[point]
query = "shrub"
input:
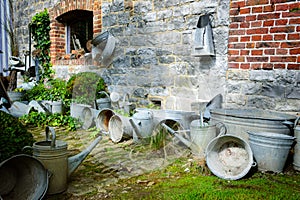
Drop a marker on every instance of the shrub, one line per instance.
(13, 136)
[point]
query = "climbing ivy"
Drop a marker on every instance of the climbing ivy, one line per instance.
(40, 30)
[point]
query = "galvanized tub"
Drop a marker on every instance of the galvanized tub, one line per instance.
(296, 156)
(229, 157)
(23, 177)
(270, 150)
(239, 121)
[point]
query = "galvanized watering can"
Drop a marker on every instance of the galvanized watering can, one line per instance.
(200, 136)
(142, 123)
(54, 156)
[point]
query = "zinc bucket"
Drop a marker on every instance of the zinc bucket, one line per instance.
(229, 157)
(23, 177)
(103, 102)
(56, 107)
(270, 150)
(119, 127)
(102, 119)
(296, 162)
(87, 118)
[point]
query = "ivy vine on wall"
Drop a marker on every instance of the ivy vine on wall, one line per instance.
(40, 32)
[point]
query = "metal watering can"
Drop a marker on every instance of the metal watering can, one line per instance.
(54, 156)
(200, 136)
(142, 123)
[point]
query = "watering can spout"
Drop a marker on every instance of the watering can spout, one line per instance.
(186, 142)
(76, 160)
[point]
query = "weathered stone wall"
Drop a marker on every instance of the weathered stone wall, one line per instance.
(153, 58)
(23, 13)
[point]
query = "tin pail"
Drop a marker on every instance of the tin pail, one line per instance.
(103, 102)
(296, 157)
(102, 120)
(270, 150)
(119, 127)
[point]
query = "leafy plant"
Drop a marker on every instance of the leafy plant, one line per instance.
(13, 136)
(53, 90)
(41, 119)
(40, 30)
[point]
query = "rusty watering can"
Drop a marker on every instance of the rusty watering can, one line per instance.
(200, 136)
(54, 156)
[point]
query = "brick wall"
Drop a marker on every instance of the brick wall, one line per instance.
(264, 34)
(57, 33)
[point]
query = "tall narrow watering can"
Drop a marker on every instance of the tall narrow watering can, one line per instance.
(200, 136)
(54, 156)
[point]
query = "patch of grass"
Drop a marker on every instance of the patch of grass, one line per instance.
(174, 183)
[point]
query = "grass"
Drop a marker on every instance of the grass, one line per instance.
(174, 183)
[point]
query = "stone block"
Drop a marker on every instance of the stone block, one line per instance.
(262, 75)
(273, 90)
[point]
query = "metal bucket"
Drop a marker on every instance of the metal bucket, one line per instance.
(201, 136)
(56, 107)
(102, 119)
(76, 109)
(103, 102)
(229, 157)
(239, 121)
(296, 156)
(270, 150)
(119, 128)
(23, 177)
(54, 156)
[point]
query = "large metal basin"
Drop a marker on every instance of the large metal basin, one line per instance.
(239, 121)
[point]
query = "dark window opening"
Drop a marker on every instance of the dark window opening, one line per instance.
(79, 29)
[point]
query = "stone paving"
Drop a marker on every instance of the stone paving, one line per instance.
(109, 162)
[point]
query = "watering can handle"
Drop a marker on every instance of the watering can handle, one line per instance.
(103, 92)
(222, 127)
(53, 135)
(296, 122)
